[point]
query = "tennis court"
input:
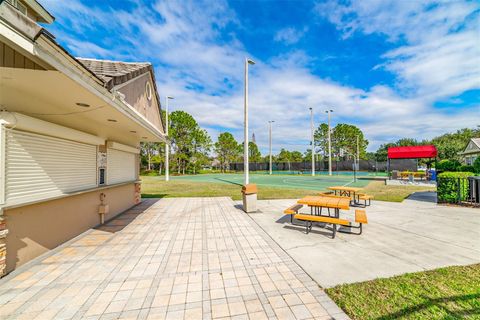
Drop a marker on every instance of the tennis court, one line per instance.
(280, 181)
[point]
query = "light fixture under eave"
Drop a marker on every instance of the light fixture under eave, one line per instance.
(112, 120)
(144, 138)
(81, 104)
(133, 131)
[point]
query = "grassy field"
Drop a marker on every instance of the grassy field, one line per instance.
(156, 187)
(152, 187)
(392, 193)
(446, 293)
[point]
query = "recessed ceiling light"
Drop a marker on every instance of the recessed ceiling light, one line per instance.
(112, 120)
(133, 131)
(81, 104)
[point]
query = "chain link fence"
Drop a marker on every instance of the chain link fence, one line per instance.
(344, 165)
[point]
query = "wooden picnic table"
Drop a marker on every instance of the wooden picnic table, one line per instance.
(316, 203)
(346, 191)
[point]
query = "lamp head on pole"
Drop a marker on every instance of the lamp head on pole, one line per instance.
(250, 61)
(170, 97)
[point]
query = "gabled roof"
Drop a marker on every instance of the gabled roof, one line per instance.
(412, 152)
(476, 141)
(114, 73)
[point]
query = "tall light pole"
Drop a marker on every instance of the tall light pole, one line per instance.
(329, 144)
(358, 154)
(313, 142)
(167, 145)
(270, 140)
(245, 127)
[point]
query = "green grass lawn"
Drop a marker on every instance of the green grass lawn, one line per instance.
(392, 193)
(154, 187)
(208, 186)
(446, 293)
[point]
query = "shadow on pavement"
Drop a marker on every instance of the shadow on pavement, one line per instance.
(425, 196)
(119, 222)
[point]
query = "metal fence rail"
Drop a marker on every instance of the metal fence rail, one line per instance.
(458, 190)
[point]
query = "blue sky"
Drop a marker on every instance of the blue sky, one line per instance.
(394, 68)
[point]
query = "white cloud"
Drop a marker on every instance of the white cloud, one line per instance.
(289, 35)
(439, 54)
(200, 63)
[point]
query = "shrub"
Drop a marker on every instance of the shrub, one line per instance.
(150, 173)
(452, 186)
(476, 165)
(466, 168)
(448, 165)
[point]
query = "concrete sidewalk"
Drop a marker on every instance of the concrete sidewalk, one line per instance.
(399, 238)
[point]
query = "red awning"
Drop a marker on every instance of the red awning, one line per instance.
(412, 152)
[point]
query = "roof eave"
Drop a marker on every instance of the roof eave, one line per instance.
(41, 11)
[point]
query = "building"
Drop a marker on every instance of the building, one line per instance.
(70, 132)
(471, 151)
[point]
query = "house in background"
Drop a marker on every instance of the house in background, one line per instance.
(471, 151)
(70, 132)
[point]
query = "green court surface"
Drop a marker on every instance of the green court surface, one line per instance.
(281, 181)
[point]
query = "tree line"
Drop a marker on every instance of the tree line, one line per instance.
(449, 145)
(193, 149)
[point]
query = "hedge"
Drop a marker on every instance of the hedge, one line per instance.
(448, 165)
(476, 165)
(453, 186)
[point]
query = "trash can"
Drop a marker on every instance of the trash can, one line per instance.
(395, 174)
(249, 195)
(433, 175)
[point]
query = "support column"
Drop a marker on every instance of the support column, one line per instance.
(138, 193)
(3, 245)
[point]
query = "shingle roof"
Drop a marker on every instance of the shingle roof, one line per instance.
(114, 73)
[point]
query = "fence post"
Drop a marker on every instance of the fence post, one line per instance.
(459, 192)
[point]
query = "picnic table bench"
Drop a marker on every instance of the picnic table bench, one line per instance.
(316, 203)
(329, 201)
(360, 219)
(345, 191)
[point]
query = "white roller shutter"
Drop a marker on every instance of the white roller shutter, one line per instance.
(40, 167)
(121, 166)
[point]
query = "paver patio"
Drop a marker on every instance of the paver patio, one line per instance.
(188, 258)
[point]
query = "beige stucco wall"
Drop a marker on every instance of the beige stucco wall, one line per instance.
(37, 228)
(135, 95)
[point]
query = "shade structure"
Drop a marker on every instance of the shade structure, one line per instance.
(412, 152)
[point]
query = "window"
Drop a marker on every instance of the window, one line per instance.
(148, 91)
